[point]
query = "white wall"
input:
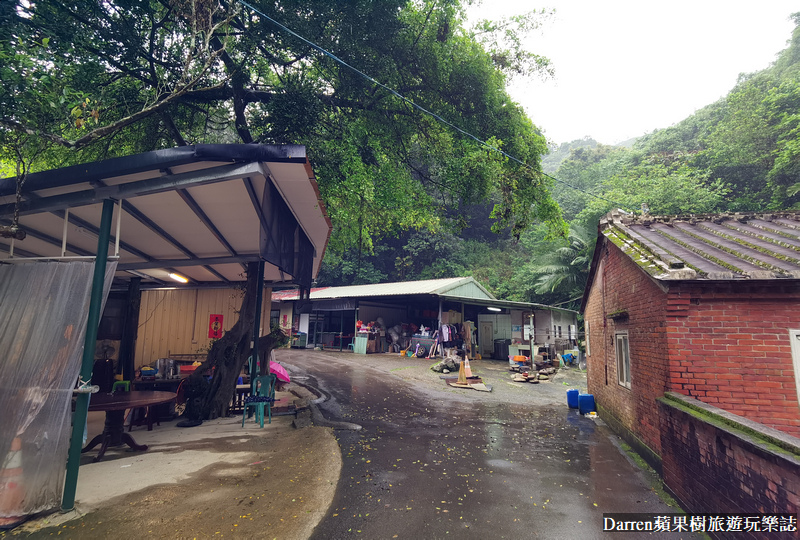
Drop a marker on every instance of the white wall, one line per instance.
(546, 325)
(303, 324)
(500, 322)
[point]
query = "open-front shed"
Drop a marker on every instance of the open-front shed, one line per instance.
(415, 313)
(183, 218)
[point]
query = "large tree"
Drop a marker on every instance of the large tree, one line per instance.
(97, 79)
(88, 80)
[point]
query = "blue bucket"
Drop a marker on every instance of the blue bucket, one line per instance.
(572, 398)
(586, 403)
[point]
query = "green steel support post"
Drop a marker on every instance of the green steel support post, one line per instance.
(82, 405)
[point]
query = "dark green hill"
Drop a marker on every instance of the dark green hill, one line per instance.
(741, 153)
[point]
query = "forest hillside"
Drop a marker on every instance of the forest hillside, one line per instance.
(739, 154)
(427, 167)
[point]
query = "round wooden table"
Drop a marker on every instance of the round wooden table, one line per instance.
(115, 406)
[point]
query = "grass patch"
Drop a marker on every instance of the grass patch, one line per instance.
(653, 478)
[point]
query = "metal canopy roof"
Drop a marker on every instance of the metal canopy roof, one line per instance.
(439, 287)
(459, 289)
(710, 247)
(200, 211)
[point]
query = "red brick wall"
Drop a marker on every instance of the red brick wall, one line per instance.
(726, 344)
(620, 285)
(715, 469)
(730, 347)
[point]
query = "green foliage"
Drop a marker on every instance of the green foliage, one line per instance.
(583, 173)
(558, 270)
(740, 153)
(140, 76)
(783, 103)
(557, 154)
(503, 40)
(433, 256)
(665, 189)
(409, 197)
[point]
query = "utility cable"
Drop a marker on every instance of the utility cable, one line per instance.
(567, 301)
(412, 104)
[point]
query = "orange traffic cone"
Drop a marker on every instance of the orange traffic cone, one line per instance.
(467, 369)
(12, 491)
(462, 376)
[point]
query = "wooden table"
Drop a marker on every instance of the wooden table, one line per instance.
(163, 412)
(158, 385)
(114, 406)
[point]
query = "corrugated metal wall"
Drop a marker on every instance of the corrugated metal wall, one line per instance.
(177, 321)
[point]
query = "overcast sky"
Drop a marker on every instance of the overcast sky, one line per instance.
(624, 68)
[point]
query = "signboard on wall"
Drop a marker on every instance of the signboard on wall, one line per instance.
(215, 326)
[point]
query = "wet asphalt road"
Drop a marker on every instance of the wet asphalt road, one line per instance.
(431, 465)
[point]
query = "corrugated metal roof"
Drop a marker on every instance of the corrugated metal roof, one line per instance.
(403, 288)
(293, 294)
(508, 304)
(461, 289)
(201, 211)
(709, 247)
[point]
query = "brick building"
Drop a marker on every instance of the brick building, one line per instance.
(707, 307)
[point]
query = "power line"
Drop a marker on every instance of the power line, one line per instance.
(414, 105)
(567, 301)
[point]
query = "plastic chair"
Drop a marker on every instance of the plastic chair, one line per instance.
(262, 398)
(125, 385)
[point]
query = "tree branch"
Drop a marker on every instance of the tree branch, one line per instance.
(173, 129)
(98, 133)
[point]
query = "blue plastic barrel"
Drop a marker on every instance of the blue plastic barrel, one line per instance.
(586, 403)
(572, 398)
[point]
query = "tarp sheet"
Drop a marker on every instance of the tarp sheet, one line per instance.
(43, 317)
(283, 242)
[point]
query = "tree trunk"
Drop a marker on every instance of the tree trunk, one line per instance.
(229, 354)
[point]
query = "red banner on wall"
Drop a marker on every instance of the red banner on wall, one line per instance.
(215, 326)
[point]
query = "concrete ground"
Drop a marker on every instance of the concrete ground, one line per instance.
(210, 480)
(220, 478)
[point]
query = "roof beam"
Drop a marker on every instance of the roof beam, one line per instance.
(140, 216)
(203, 217)
(55, 242)
(80, 222)
(17, 251)
(196, 261)
(132, 189)
(251, 191)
